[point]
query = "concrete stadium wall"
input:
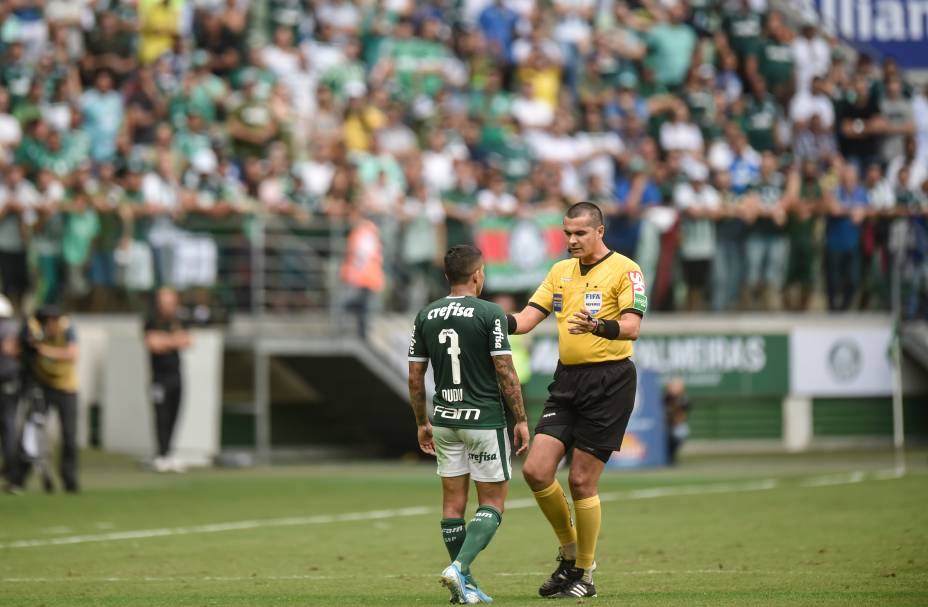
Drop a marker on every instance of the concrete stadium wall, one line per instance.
(114, 374)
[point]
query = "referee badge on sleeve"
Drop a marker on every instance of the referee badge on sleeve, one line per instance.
(593, 300)
(557, 302)
(640, 301)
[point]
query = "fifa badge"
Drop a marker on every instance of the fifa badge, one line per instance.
(593, 300)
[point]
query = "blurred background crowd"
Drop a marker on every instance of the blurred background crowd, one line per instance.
(746, 161)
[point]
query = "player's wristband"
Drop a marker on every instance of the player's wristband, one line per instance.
(512, 323)
(608, 329)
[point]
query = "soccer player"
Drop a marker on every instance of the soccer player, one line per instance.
(465, 340)
(598, 298)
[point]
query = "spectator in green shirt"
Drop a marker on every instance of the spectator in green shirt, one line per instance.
(774, 58)
(106, 197)
(761, 115)
(81, 227)
(46, 236)
(804, 212)
(252, 125)
(16, 73)
(460, 205)
(743, 28)
(670, 47)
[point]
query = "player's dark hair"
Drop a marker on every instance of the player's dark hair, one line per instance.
(586, 208)
(460, 262)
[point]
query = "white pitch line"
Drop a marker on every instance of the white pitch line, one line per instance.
(218, 527)
(284, 578)
(850, 478)
(636, 494)
(643, 494)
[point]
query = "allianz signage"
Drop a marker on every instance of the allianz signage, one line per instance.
(897, 28)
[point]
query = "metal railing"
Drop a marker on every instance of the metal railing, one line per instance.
(269, 263)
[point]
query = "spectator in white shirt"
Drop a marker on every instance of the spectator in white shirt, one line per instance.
(920, 115)
(880, 191)
(897, 111)
(18, 201)
(10, 131)
(558, 146)
(604, 148)
(438, 163)
(811, 56)
(530, 111)
(292, 69)
(423, 219)
(814, 101)
(317, 172)
(537, 41)
(573, 23)
(681, 135)
(341, 15)
(495, 200)
(161, 190)
(917, 168)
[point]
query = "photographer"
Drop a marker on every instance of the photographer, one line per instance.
(677, 411)
(9, 386)
(50, 360)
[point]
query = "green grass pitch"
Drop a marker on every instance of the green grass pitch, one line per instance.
(723, 531)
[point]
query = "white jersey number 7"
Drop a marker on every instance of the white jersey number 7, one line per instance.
(454, 351)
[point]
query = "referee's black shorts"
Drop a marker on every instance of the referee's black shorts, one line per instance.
(589, 405)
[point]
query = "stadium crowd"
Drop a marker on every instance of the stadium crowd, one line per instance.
(743, 162)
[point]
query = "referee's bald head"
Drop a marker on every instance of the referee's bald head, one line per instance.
(586, 208)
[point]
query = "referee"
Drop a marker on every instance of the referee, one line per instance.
(598, 298)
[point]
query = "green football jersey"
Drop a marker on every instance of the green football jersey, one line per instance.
(459, 336)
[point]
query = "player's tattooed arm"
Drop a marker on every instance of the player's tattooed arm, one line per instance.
(510, 387)
(417, 400)
(512, 392)
(417, 391)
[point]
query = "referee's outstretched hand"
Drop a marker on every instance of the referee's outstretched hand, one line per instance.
(424, 433)
(582, 322)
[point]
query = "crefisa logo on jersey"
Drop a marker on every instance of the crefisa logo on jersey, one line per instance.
(498, 334)
(452, 309)
(593, 300)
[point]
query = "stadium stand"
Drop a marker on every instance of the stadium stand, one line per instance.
(218, 146)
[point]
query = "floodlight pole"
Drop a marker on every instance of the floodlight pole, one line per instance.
(896, 353)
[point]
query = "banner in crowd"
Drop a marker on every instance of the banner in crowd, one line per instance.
(519, 252)
(645, 442)
(717, 364)
(841, 362)
(896, 28)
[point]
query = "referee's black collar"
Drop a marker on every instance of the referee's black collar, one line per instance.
(585, 269)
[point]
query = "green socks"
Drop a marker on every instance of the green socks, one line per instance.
(453, 532)
(479, 533)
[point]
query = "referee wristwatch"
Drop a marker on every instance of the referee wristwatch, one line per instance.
(607, 329)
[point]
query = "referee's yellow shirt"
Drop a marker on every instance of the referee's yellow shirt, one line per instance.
(608, 288)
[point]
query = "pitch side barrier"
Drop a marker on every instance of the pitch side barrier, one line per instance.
(761, 382)
(300, 386)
